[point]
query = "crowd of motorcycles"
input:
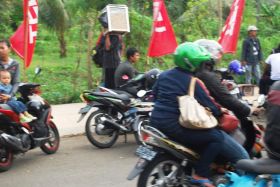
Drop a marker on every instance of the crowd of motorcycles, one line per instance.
(112, 113)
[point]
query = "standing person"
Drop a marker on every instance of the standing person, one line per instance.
(112, 56)
(271, 71)
(252, 55)
(17, 106)
(9, 64)
(125, 71)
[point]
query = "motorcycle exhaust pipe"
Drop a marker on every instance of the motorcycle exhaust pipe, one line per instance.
(12, 142)
(114, 125)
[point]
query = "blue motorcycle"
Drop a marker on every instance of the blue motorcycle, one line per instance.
(263, 172)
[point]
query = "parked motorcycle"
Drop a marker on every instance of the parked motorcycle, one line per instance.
(17, 137)
(116, 114)
(163, 162)
(257, 173)
(143, 81)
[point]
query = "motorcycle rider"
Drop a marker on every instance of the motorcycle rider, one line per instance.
(220, 93)
(165, 116)
(272, 132)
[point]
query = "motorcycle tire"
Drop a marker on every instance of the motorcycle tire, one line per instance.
(164, 164)
(52, 145)
(6, 159)
(99, 131)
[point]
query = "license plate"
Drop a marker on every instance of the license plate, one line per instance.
(145, 152)
(85, 109)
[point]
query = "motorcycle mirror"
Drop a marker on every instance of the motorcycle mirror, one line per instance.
(37, 70)
(141, 93)
(261, 100)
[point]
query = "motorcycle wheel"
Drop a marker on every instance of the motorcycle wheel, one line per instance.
(97, 133)
(162, 172)
(6, 159)
(52, 145)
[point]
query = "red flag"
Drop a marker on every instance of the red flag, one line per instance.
(163, 40)
(230, 33)
(23, 44)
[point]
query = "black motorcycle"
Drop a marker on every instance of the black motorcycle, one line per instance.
(163, 162)
(115, 114)
(142, 82)
(17, 137)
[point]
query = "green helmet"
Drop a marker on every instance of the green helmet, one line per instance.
(189, 56)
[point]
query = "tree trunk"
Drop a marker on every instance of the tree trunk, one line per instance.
(62, 45)
(258, 9)
(89, 51)
(220, 13)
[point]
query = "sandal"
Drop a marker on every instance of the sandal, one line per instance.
(201, 182)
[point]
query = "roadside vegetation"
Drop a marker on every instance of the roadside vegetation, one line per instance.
(69, 29)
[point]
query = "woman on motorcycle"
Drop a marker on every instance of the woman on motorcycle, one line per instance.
(220, 93)
(165, 116)
(6, 63)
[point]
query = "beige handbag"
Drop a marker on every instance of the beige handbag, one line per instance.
(193, 115)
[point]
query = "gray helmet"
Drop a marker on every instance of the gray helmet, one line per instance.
(213, 47)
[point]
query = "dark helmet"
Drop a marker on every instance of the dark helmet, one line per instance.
(35, 108)
(151, 77)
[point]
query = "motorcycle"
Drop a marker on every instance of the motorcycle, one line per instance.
(116, 114)
(256, 121)
(17, 137)
(257, 173)
(163, 162)
(141, 82)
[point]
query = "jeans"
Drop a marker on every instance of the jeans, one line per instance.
(232, 150)
(17, 106)
(255, 69)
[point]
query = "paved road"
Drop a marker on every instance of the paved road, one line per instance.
(77, 163)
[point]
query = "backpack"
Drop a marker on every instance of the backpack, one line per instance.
(98, 52)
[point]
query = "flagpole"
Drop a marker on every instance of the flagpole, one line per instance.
(26, 23)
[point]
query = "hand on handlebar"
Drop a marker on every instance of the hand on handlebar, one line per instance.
(256, 111)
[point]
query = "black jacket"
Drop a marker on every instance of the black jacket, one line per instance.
(112, 57)
(249, 46)
(124, 68)
(272, 133)
(220, 93)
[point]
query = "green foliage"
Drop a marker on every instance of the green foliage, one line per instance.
(64, 79)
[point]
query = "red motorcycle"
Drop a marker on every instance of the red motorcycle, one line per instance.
(17, 137)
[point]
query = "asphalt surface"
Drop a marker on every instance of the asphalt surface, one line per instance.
(76, 164)
(66, 116)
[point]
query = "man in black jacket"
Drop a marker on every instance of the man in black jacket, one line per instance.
(272, 132)
(220, 93)
(252, 55)
(125, 70)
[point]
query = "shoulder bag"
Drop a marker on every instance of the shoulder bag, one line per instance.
(194, 115)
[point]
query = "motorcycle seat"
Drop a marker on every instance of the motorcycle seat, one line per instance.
(123, 97)
(123, 92)
(260, 166)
